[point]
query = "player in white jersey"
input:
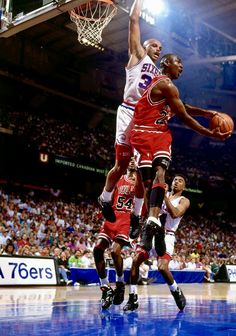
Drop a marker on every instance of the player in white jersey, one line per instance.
(140, 71)
(174, 206)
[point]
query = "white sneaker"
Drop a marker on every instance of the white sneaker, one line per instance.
(69, 282)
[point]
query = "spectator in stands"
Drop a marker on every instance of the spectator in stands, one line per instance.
(45, 252)
(4, 236)
(9, 249)
(63, 267)
(25, 251)
(198, 262)
(75, 260)
(86, 259)
(23, 240)
(191, 263)
(207, 268)
(194, 254)
(34, 250)
(174, 263)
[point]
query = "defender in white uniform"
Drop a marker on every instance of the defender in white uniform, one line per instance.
(140, 71)
(138, 77)
(175, 206)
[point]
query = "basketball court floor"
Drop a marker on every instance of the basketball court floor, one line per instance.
(68, 311)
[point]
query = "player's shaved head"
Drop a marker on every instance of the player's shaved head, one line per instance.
(150, 41)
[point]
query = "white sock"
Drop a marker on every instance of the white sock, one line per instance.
(155, 220)
(173, 287)
(106, 196)
(138, 204)
(104, 282)
(120, 278)
(133, 289)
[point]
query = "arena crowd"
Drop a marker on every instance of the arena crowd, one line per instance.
(67, 231)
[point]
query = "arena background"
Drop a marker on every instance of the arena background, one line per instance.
(45, 72)
(58, 103)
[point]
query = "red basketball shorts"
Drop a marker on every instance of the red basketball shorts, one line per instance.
(118, 230)
(149, 145)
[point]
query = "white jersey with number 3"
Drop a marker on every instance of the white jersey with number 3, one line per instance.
(138, 78)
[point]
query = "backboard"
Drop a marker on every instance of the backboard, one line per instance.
(18, 15)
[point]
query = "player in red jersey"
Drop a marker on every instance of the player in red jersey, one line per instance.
(151, 138)
(117, 236)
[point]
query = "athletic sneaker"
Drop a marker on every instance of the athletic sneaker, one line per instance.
(179, 298)
(150, 229)
(107, 296)
(107, 210)
(134, 230)
(119, 293)
(132, 303)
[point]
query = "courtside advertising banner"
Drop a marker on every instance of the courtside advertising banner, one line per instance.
(27, 271)
(231, 271)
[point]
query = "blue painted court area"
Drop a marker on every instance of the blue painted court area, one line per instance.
(73, 313)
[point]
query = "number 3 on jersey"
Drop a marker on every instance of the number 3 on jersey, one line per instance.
(145, 81)
(123, 203)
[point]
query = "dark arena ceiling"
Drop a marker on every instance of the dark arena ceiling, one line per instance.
(42, 48)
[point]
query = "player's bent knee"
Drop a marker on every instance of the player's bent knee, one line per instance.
(162, 268)
(142, 256)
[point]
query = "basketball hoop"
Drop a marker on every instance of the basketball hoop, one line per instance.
(91, 18)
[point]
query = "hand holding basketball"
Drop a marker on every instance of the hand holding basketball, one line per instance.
(223, 124)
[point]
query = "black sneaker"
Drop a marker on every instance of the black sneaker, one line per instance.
(179, 298)
(134, 230)
(107, 296)
(150, 229)
(107, 210)
(119, 293)
(132, 303)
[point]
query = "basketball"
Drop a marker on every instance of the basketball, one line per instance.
(222, 120)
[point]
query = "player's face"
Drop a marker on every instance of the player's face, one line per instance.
(175, 67)
(178, 183)
(132, 165)
(153, 49)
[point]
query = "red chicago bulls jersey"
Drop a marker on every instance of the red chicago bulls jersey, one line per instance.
(124, 194)
(150, 115)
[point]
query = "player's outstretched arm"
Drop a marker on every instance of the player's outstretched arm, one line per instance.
(170, 91)
(136, 50)
(197, 111)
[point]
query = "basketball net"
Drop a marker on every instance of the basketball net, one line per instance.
(91, 18)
